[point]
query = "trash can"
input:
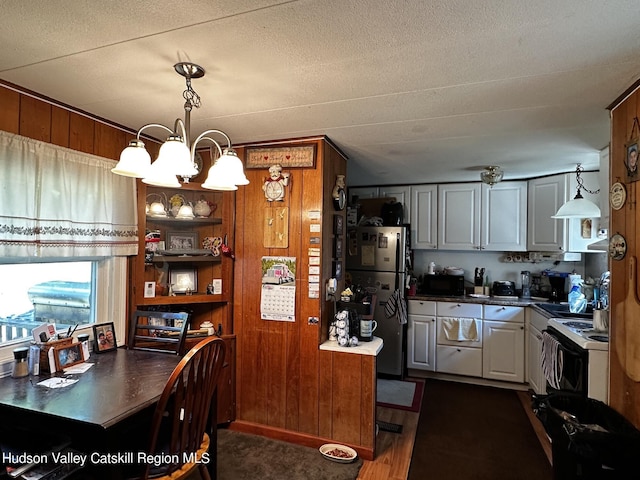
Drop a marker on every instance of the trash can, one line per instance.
(589, 439)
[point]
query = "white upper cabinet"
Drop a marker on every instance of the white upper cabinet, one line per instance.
(459, 216)
(362, 193)
(475, 216)
(424, 216)
(546, 196)
(504, 217)
(401, 194)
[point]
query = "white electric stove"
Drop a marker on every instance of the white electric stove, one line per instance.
(595, 345)
(580, 331)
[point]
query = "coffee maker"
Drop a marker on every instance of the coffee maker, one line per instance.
(558, 293)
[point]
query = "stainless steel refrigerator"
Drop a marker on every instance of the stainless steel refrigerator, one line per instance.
(377, 257)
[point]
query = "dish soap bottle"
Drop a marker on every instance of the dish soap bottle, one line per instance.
(577, 299)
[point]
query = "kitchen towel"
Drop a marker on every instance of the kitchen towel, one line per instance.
(552, 360)
(460, 329)
(397, 306)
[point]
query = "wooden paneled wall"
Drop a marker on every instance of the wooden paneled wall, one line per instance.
(624, 385)
(25, 114)
(286, 386)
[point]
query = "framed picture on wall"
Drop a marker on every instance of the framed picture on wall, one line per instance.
(631, 160)
(338, 225)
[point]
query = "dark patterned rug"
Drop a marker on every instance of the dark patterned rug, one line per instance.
(242, 456)
(475, 432)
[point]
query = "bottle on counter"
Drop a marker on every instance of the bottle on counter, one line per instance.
(577, 299)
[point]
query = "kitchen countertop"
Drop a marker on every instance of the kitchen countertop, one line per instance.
(514, 301)
(364, 348)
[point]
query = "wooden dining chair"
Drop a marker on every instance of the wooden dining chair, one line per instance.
(158, 331)
(181, 418)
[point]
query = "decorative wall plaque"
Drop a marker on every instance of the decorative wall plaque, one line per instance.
(617, 196)
(287, 157)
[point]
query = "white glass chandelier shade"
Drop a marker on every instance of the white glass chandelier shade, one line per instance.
(178, 157)
(579, 207)
(134, 160)
(492, 175)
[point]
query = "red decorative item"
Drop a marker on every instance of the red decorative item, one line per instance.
(226, 251)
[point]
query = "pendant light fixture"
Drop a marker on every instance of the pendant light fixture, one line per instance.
(579, 207)
(491, 175)
(177, 155)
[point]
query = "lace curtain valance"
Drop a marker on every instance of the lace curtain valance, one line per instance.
(57, 202)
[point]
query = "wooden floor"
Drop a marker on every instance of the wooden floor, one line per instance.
(393, 451)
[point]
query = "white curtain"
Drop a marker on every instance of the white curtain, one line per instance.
(57, 202)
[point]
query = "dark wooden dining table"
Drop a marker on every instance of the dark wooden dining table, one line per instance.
(121, 387)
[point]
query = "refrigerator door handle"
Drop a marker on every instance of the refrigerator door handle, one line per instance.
(397, 261)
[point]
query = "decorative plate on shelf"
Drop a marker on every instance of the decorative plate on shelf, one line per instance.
(338, 453)
(617, 196)
(617, 247)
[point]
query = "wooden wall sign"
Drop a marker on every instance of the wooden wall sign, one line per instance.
(276, 227)
(287, 157)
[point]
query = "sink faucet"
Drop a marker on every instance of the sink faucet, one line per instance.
(604, 289)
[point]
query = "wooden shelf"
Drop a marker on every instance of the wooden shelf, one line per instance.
(182, 299)
(185, 221)
(186, 258)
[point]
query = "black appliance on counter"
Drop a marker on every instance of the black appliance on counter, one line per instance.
(446, 285)
(504, 288)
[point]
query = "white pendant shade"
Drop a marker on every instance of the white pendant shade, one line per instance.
(134, 161)
(217, 181)
(177, 156)
(578, 208)
(162, 173)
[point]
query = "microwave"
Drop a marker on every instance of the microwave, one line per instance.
(448, 285)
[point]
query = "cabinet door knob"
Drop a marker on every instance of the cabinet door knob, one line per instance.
(457, 349)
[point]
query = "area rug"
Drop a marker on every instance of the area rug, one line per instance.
(242, 456)
(479, 432)
(400, 394)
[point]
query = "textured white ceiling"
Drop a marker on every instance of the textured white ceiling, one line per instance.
(411, 90)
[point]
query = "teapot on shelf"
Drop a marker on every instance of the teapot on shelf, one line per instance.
(158, 207)
(203, 208)
(185, 212)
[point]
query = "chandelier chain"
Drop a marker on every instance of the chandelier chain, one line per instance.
(192, 99)
(579, 170)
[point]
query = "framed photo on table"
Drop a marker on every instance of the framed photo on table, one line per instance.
(104, 335)
(67, 355)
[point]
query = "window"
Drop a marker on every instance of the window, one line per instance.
(107, 278)
(61, 293)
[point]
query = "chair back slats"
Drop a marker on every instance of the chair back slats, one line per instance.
(185, 402)
(158, 331)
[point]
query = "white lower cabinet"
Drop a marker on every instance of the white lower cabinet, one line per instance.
(459, 360)
(421, 335)
(503, 343)
(535, 375)
(458, 357)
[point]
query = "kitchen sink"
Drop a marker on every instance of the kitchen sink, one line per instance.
(561, 310)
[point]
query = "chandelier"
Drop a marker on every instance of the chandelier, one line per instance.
(579, 207)
(177, 155)
(491, 175)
